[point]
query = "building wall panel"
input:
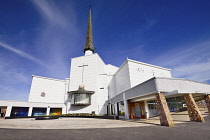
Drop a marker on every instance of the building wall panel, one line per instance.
(53, 89)
(140, 72)
(182, 85)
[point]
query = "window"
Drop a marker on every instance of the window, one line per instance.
(152, 104)
(82, 98)
(121, 109)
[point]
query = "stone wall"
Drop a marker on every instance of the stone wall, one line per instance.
(207, 99)
(192, 108)
(164, 113)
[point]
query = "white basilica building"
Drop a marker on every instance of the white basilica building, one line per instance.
(134, 90)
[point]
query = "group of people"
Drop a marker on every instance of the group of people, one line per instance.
(201, 103)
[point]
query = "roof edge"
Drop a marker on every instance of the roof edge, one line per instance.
(48, 78)
(148, 64)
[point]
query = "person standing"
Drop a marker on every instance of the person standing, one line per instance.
(4, 113)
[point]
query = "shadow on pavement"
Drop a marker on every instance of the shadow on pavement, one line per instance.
(184, 131)
(181, 131)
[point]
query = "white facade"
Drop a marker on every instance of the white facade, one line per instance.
(109, 86)
(53, 89)
(132, 73)
(133, 82)
(90, 71)
(140, 72)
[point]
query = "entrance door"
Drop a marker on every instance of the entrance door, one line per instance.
(137, 110)
(142, 110)
(132, 111)
(108, 111)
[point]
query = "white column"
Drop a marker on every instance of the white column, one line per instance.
(8, 112)
(146, 109)
(126, 107)
(98, 109)
(30, 111)
(64, 110)
(68, 107)
(115, 109)
(48, 110)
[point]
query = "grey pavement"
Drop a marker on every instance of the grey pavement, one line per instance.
(102, 129)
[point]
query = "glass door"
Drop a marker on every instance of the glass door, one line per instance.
(137, 110)
(132, 111)
(142, 110)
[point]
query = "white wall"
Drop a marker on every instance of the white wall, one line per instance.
(132, 73)
(89, 80)
(140, 72)
(103, 81)
(89, 75)
(110, 71)
(94, 79)
(102, 92)
(120, 81)
(53, 88)
(112, 88)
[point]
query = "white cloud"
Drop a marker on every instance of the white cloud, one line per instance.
(14, 81)
(191, 62)
(195, 71)
(11, 75)
(21, 53)
(51, 13)
(58, 36)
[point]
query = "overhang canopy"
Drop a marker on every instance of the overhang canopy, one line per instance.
(170, 86)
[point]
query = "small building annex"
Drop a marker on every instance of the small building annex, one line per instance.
(135, 90)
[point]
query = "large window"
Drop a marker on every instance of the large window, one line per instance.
(152, 108)
(152, 104)
(121, 109)
(175, 104)
(81, 99)
(39, 111)
(55, 111)
(19, 111)
(81, 96)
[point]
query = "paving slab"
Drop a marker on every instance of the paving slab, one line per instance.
(178, 117)
(102, 129)
(88, 123)
(66, 123)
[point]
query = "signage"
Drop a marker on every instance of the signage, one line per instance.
(43, 94)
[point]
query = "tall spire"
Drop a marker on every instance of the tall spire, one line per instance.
(89, 36)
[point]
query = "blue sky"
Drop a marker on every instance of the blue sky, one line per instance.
(39, 37)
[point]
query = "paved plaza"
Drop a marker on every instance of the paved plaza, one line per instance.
(88, 128)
